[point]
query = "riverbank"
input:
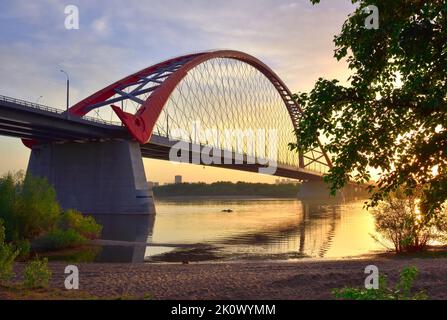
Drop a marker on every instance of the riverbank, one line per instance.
(221, 197)
(228, 189)
(243, 280)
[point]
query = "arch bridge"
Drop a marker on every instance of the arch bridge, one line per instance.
(93, 152)
(221, 91)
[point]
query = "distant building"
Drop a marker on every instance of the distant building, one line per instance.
(286, 181)
(178, 179)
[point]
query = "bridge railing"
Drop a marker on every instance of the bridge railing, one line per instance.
(30, 104)
(54, 110)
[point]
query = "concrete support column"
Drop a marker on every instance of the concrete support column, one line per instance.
(102, 179)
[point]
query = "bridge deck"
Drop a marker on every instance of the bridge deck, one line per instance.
(22, 119)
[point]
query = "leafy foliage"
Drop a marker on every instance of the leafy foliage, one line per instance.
(87, 227)
(37, 274)
(28, 206)
(38, 203)
(399, 220)
(402, 290)
(30, 210)
(8, 195)
(57, 239)
(391, 115)
(8, 254)
(2, 232)
(24, 247)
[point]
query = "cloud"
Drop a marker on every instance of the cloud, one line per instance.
(288, 6)
(101, 27)
(295, 38)
(114, 40)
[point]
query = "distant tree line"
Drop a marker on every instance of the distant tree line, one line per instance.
(227, 189)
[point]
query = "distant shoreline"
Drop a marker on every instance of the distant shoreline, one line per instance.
(226, 190)
(230, 197)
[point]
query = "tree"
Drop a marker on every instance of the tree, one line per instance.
(400, 222)
(28, 206)
(8, 198)
(37, 210)
(391, 115)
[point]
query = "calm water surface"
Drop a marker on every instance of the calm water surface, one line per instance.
(269, 229)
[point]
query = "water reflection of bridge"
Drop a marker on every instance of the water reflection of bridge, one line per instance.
(311, 236)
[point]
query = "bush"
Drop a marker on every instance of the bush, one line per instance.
(57, 239)
(8, 254)
(37, 209)
(30, 211)
(400, 221)
(73, 230)
(8, 195)
(37, 274)
(85, 226)
(28, 206)
(402, 290)
(2, 232)
(24, 248)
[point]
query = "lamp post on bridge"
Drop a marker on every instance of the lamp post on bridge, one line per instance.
(38, 99)
(68, 90)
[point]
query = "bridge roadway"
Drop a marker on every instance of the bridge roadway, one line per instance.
(26, 120)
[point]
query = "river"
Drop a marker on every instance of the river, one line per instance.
(260, 229)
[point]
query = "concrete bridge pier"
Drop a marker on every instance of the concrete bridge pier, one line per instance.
(105, 180)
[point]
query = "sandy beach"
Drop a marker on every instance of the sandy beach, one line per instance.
(244, 280)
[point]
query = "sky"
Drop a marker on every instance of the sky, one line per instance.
(116, 38)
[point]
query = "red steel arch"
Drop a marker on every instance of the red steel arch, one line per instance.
(142, 123)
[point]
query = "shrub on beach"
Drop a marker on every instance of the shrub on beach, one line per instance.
(31, 213)
(58, 239)
(8, 254)
(73, 230)
(28, 206)
(24, 248)
(400, 221)
(85, 226)
(37, 274)
(402, 290)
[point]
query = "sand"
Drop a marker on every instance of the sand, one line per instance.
(244, 280)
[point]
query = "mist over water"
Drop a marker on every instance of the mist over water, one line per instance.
(260, 229)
